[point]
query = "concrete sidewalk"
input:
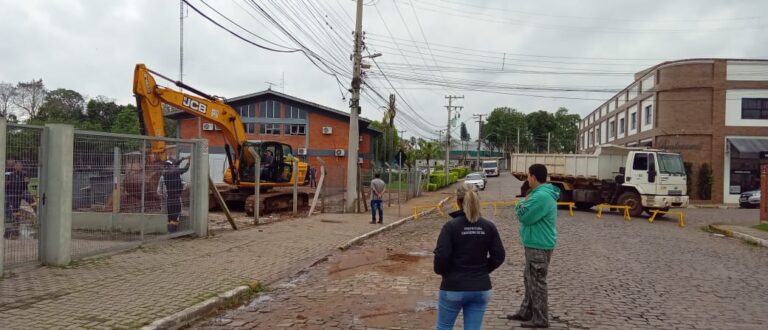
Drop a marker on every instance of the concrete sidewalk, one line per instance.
(132, 289)
(747, 234)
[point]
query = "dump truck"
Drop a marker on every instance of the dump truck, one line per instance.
(641, 178)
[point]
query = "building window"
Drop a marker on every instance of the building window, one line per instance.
(247, 111)
(270, 129)
(295, 129)
(591, 138)
(269, 109)
(633, 121)
(250, 128)
(599, 136)
(611, 129)
(648, 114)
(294, 112)
(753, 108)
(621, 126)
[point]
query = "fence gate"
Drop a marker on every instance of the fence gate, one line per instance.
(120, 197)
(22, 179)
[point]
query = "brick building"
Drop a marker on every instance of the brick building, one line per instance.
(712, 111)
(312, 130)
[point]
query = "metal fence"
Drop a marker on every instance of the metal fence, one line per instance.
(22, 177)
(401, 186)
(124, 193)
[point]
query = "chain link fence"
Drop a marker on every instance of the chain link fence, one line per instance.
(22, 177)
(126, 193)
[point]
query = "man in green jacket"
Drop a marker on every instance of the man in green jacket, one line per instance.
(537, 214)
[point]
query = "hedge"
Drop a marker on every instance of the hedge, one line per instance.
(431, 187)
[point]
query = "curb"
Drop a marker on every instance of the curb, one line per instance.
(742, 236)
(184, 317)
(390, 226)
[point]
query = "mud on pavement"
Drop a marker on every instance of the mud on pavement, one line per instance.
(386, 281)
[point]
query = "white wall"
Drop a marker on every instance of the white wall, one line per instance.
(754, 71)
(648, 83)
(591, 142)
(634, 91)
(630, 130)
(733, 107)
(217, 163)
(610, 107)
(603, 131)
(643, 105)
(622, 99)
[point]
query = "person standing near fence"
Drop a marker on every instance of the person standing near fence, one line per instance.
(378, 188)
(312, 182)
(171, 186)
(468, 249)
(537, 214)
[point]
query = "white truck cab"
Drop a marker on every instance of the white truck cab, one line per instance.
(490, 167)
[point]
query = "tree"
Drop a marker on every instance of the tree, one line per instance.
(428, 150)
(386, 143)
(464, 139)
(61, 105)
(500, 129)
(29, 97)
(7, 93)
(126, 121)
(540, 125)
(566, 135)
(104, 111)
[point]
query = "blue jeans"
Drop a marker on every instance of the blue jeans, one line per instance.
(473, 304)
(376, 205)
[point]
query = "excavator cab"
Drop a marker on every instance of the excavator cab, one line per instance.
(276, 161)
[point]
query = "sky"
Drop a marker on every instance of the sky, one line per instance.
(527, 55)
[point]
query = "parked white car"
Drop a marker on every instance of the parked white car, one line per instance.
(476, 180)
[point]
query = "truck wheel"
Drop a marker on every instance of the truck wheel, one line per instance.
(584, 206)
(632, 199)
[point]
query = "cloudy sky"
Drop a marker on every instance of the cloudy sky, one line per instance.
(529, 55)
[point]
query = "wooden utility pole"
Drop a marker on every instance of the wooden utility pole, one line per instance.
(479, 136)
(354, 111)
(450, 108)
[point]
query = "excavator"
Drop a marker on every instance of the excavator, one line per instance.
(241, 153)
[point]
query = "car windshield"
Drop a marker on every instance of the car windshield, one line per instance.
(671, 164)
(474, 177)
(489, 165)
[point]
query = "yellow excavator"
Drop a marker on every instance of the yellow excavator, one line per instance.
(276, 158)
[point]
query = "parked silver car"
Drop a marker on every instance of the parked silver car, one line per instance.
(750, 199)
(476, 180)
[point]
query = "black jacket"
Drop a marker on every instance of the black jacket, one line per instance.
(467, 253)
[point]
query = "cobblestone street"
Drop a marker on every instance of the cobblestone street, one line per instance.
(605, 274)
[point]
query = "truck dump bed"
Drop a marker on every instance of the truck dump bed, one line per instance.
(603, 164)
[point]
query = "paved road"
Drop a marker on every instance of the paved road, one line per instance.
(605, 274)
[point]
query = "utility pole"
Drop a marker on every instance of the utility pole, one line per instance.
(479, 137)
(390, 128)
(450, 108)
(439, 142)
(354, 111)
(517, 149)
(549, 137)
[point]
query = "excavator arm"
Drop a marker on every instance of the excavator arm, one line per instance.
(149, 99)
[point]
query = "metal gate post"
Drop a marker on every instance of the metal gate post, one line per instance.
(3, 139)
(199, 203)
(56, 206)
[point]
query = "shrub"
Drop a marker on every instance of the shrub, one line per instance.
(705, 182)
(689, 174)
(431, 187)
(453, 178)
(438, 179)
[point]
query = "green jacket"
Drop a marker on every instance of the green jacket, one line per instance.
(537, 215)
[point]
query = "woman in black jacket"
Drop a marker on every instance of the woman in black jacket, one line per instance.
(468, 250)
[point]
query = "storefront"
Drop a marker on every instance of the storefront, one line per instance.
(742, 165)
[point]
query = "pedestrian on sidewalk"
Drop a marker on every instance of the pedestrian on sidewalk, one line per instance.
(378, 188)
(312, 181)
(537, 214)
(468, 250)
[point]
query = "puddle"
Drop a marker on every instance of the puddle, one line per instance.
(257, 302)
(423, 254)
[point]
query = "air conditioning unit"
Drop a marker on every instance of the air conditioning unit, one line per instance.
(327, 130)
(359, 160)
(339, 152)
(302, 151)
(361, 138)
(208, 126)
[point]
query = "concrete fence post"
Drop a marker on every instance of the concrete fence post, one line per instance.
(200, 175)
(56, 217)
(3, 139)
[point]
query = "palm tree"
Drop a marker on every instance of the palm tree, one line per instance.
(428, 150)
